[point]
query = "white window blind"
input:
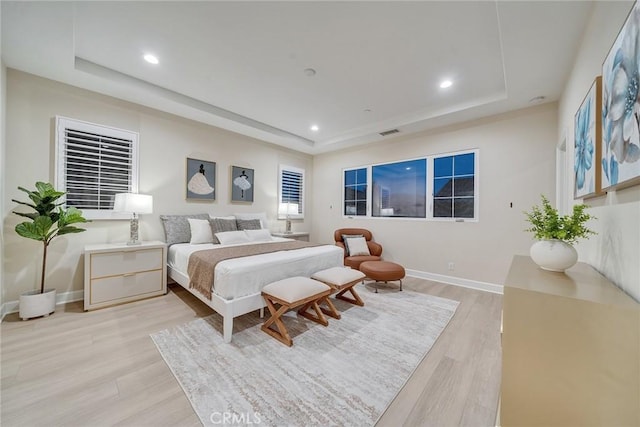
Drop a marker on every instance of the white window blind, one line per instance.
(94, 163)
(292, 188)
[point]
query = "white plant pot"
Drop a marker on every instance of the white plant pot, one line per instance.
(553, 255)
(35, 304)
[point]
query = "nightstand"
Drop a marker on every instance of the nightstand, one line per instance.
(297, 235)
(115, 273)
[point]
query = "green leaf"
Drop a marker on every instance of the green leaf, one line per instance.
(36, 230)
(69, 229)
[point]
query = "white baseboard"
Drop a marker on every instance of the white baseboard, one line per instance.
(457, 281)
(61, 298)
(65, 297)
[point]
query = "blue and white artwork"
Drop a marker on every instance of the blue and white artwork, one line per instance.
(587, 131)
(621, 107)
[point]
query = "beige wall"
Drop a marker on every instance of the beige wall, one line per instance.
(3, 128)
(615, 251)
(517, 164)
(165, 142)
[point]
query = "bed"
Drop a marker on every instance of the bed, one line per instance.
(238, 282)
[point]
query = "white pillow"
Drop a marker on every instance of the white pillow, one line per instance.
(357, 246)
(262, 216)
(263, 235)
(200, 231)
(232, 237)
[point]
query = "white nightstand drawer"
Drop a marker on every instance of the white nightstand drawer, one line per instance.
(125, 262)
(114, 288)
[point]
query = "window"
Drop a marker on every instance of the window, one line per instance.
(355, 192)
(400, 189)
(442, 187)
(291, 193)
(454, 186)
(93, 163)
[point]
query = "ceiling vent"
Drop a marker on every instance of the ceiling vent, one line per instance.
(389, 132)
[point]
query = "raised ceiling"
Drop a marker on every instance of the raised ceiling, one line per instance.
(242, 65)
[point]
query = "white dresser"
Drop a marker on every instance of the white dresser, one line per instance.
(115, 273)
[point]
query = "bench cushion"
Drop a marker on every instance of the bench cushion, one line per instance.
(294, 289)
(338, 276)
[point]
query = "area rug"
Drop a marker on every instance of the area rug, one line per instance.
(345, 374)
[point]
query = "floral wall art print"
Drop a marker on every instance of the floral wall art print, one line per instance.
(621, 107)
(587, 153)
(201, 178)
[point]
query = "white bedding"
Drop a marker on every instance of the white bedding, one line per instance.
(239, 277)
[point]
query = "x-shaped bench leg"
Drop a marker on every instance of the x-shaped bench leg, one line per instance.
(356, 298)
(281, 334)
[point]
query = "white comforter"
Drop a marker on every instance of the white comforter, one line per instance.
(238, 277)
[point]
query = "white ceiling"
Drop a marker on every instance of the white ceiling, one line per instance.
(240, 65)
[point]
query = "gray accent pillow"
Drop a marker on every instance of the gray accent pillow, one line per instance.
(176, 227)
(344, 240)
(249, 224)
(220, 225)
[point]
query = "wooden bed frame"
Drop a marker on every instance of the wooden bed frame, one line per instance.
(228, 309)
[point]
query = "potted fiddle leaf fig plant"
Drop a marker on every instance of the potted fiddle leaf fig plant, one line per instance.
(556, 235)
(48, 221)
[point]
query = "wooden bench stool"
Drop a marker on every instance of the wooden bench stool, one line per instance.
(342, 280)
(289, 294)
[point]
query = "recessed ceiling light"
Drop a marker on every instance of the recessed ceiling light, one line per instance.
(151, 59)
(445, 84)
(315, 128)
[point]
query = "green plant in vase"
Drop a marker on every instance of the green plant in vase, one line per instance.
(556, 234)
(48, 221)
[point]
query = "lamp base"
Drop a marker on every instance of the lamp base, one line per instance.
(133, 231)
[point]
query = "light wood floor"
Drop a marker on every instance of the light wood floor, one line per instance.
(101, 368)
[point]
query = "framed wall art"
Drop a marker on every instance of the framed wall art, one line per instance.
(587, 144)
(621, 107)
(241, 184)
(201, 180)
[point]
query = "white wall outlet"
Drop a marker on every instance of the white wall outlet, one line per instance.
(451, 266)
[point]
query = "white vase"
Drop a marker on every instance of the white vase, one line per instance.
(35, 304)
(553, 255)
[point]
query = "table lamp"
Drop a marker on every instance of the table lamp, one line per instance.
(136, 204)
(288, 209)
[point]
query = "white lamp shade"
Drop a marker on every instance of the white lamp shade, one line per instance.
(134, 203)
(288, 209)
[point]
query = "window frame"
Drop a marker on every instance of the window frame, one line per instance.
(429, 188)
(370, 199)
(60, 180)
(476, 186)
(301, 209)
(344, 191)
